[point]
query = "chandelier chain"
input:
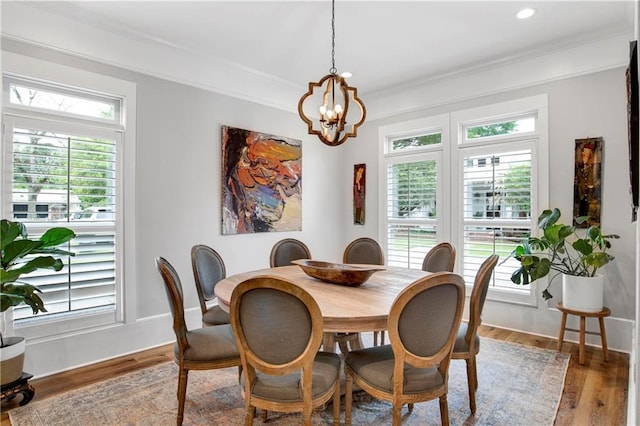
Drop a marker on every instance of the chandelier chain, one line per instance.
(333, 69)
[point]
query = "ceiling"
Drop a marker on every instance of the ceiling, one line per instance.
(384, 44)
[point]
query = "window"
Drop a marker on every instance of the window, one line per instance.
(64, 101)
(413, 197)
(416, 141)
(496, 211)
(500, 129)
(64, 179)
(412, 212)
(499, 196)
(63, 165)
(479, 188)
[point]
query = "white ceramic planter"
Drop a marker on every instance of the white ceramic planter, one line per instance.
(12, 359)
(583, 293)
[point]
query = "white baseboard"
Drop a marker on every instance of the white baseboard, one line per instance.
(53, 355)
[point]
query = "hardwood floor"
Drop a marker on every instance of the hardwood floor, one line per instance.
(594, 394)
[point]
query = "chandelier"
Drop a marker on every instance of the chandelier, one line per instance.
(329, 103)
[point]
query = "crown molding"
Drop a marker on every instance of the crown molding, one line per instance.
(31, 24)
(596, 56)
(35, 25)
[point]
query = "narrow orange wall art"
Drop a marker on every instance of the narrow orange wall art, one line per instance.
(261, 182)
(359, 192)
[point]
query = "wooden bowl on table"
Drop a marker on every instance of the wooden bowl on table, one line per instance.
(337, 273)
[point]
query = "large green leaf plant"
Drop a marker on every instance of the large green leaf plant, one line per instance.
(561, 249)
(15, 247)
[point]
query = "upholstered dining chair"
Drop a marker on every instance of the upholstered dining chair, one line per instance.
(361, 250)
(204, 348)
(284, 251)
(441, 257)
(278, 327)
(208, 268)
(423, 323)
(467, 343)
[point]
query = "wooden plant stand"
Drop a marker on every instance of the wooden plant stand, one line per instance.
(605, 312)
(20, 386)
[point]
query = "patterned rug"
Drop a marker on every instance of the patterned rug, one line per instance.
(518, 385)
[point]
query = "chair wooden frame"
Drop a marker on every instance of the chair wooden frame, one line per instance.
(197, 275)
(273, 257)
(476, 302)
(435, 250)
(403, 356)
(302, 363)
(174, 292)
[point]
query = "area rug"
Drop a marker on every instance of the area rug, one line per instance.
(518, 385)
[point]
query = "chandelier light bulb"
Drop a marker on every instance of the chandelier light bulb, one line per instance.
(338, 108)
(323, 109)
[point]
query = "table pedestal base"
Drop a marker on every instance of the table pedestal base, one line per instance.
(346, 341)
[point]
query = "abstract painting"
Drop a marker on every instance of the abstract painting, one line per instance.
(359, 187)
(587, 193)
(261, 182)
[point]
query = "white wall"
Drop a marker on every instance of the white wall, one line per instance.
(178, 205)
(579, 107)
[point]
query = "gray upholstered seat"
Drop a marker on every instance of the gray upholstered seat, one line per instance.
(208, 268)
(287, 388)
(422, 324)
(441, 257)
(205, 344)
(198, 349)
(467, 343)
(284, 251)
(279, 328)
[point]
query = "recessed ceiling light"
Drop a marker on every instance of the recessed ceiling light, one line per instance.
(526, 13)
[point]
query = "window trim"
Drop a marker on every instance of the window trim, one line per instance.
(460, 120)
(439, 153)
(42, 326)
(36, 69)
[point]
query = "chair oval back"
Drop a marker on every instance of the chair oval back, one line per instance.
(479, 294)
(173, 287)
(441, 258)
(363, 250)
(284, 251)
(208, 268)
(278, 325)
(432, 306)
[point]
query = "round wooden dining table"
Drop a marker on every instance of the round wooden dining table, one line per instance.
(345, 309)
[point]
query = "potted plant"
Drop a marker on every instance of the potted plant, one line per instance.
(577, 257)
(15, 247)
